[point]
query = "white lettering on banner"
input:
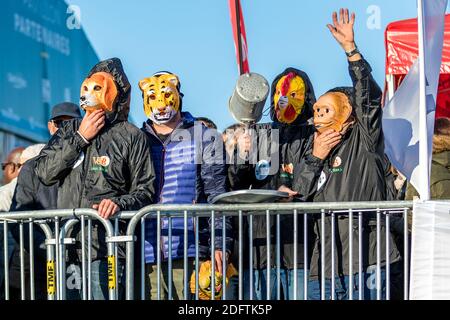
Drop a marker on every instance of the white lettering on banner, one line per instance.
(17, 81)
(48, 11)
(46, 91)
(9, 113)
(41, 34)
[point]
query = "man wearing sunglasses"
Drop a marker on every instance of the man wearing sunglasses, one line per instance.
(10, 169)
(11, 166)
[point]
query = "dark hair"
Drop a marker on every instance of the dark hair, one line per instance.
(234, 127)
(441, 138)
(208, 122)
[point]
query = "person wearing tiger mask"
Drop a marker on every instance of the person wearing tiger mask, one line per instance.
(190, 168)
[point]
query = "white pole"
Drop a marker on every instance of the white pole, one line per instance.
(390, 87)
(424, 165)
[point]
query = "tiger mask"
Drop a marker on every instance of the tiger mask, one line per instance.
(161, 96)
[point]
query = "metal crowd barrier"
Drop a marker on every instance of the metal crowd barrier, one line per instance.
(62, 221)
(58, 223)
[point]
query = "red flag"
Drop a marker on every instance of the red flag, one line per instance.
(237, 21)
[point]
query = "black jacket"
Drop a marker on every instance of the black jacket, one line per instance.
(354, 171)
(125, 176)
(31, 194)
(278, 144)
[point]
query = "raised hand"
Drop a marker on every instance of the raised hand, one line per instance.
(342, 29)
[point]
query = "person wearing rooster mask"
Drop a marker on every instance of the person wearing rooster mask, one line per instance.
(272, 152)
(346, 163)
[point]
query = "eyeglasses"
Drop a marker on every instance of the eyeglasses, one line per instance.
(15, 165)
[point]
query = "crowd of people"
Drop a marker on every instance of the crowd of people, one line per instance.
(329, 149)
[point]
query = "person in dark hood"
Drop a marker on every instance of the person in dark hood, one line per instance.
(100, 162)
(347, 163)
(279, 146)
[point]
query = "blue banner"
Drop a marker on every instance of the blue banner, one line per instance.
(45, 57)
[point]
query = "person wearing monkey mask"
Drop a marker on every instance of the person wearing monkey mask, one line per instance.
(346, 163)
(101, 162)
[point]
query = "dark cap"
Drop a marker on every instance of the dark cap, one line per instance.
(65, 109)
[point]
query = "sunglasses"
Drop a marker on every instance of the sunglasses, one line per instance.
(57, 123)
(15, 165)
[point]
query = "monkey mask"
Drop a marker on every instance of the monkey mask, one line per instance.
(99, 91)
(332, 111)
(162, 97)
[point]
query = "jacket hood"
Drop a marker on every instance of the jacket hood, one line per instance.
(122, 106)
(310, 97)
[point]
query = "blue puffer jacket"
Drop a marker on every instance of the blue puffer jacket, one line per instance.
(189, 169)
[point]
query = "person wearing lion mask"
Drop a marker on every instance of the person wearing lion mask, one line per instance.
(346, 162)
(273, 150)
(190, 168)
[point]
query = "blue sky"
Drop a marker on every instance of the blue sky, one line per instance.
(194, 40)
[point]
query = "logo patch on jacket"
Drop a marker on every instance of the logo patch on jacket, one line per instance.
(336, 167)
(262, 170)
(100, 163)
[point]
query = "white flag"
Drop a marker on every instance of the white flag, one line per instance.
(430, 260)
(401, 116)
